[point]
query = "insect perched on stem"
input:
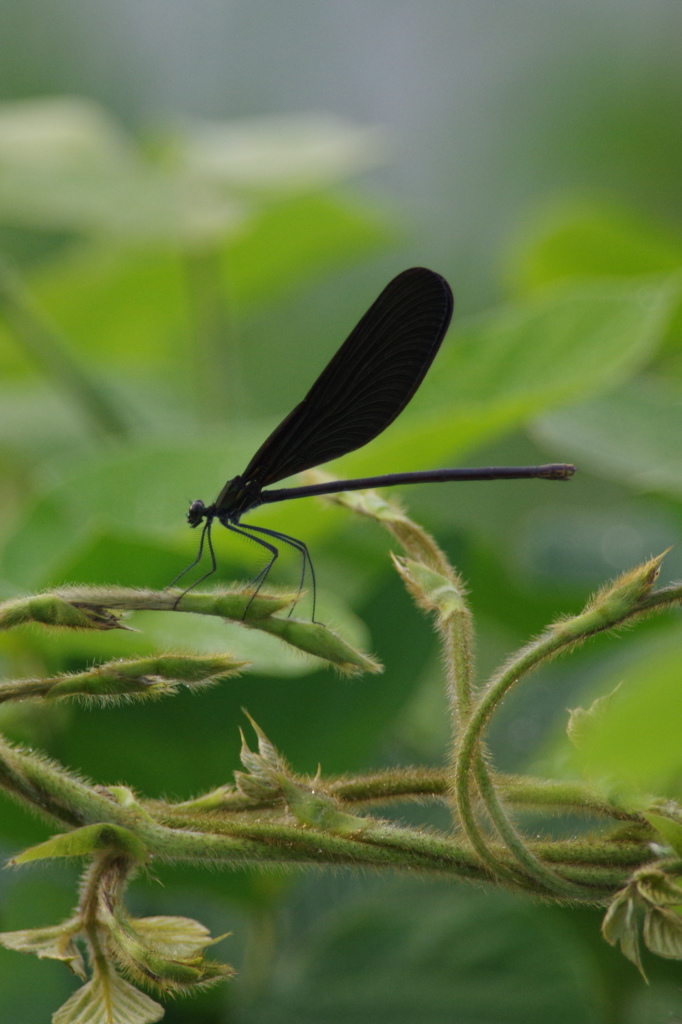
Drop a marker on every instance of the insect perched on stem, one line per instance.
(366, 385)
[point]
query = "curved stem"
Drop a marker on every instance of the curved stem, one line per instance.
(470, 767)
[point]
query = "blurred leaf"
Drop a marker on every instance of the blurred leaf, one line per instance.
(635, 746)
(64, 165)
(50, 531)
(286, 153)
(137, 309)
(51, 354)
(587, 540)
(509, 366)
(135, 490)
(109, 557)
(289, 243)
(60, 131)
(633, 436)
(503, 371)
(37, 423)
(137, 493)
(116, 305)
(580, 239)
(408, 954)
(133, 204)
(581, 721)
(577, 338)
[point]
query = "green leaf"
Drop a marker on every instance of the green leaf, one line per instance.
(633, 436)
(571, 340)
(108, 558)
(136, 306)
(142, 960)
(431, 590)
(663, 932)
(621, 925)
(136, 490)
(581, 721)
(108, 999)
(174, 936)
(574, 238)
(49, 525)
(84, 841)
(116, 304)
(656, 888)
(54, 943)
(288, 244)
(634, 748)
(265, 770)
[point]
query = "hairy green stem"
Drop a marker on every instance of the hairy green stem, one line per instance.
(664, 597)
(219, 840)
(47, 788)
(416, 784)
(513, 841)
(88, 608)
(380, 846)
(548, 795)
(467, 767)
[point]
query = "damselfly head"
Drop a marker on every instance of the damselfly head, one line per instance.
(196, 513)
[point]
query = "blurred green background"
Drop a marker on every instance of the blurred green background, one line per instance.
(197, 202)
